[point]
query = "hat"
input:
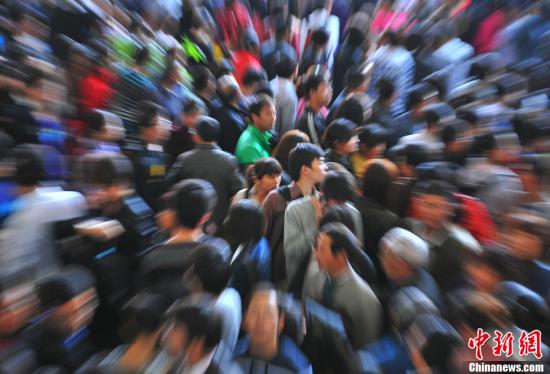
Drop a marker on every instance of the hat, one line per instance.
(406, 246)
(208, 129)
(406, 304)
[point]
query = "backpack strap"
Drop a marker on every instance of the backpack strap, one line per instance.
(284, 191)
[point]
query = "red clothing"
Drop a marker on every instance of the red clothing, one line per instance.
(232, 21)
(244, 60)
(485, 38)
(96, 90)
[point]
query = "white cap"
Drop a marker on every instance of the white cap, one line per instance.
(407, 246)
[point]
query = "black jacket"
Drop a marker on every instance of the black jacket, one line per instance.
(220, 168)
(232, 124)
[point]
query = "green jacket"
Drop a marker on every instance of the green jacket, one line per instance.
(253, 145)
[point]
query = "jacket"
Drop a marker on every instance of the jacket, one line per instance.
(251, 266)
(232, 125)
(209, 162)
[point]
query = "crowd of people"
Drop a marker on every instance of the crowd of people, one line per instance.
(273, 186)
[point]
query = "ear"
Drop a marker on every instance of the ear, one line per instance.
(205, 218)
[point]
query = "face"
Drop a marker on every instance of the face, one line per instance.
(269, 182)
(17, 305)
(262, 319)
(190, 119)
(350, 146)
(174, 339)
(522, 244)
(323, 94)
(323, 253)
(317, 170)
(266, 119)
(483, 277)
(433, 210)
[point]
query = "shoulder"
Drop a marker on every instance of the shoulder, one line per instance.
(301, 203)
(290, 355)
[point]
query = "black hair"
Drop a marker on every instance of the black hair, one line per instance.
(29, 166)
(32, 77)
(201, 321)
(431, 117)
(191, 106)
(260, 101)
(264, 286)
(141, 55)
(287, 143)
(351, 109)
(266, 166)
(337, 213)
(393, 38)
(208, 129)
(312, 83)
(302, 155)
(111, 170)
(168, 70)
(285, 65)
(264, 88)
(354, 37)
(415, 98)
(95, 121)
(320, 36)
(413, 41)
(341, 237)
(253, 76)
(415, 154)
(377, 182)
(354, 77)
(448, 134)
(244, 223)
(149, 110)
(210, 267)
(338, 132)
(60, 287)
(192, 199)
(385, 88)
(437, 188)
(201, 77)
(436, 170)
(468, 116)
(484, 143)
(282, 24)
(147, 310)
(372, 135)
(338, 186)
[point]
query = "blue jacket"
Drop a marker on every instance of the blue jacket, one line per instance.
(252, 265)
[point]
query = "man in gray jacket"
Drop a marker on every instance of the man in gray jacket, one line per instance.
(207, 161)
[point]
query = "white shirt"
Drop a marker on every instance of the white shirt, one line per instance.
(456, 55)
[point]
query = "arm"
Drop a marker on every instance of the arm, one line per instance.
(298, 239)
(173, 175)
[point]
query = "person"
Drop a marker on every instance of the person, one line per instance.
(263, 177)
(133, 88)
(189, 205)
(381, 109)
(338, 287)
(26, 238)
(307, 168)
(316, 52)
(254, 142)
(284, 93)
(356, 84)
(372, 145)
(302, 217)
(251, 260)
(100, 135)
(340, 142)
(253, 80)
(146, 153)
(169, 91)
(413, 120)
(352, 110)
(395, 63)
(229, 114)
(193, 338)
(204, 86)
(435, 206)
(279, 46)
(404, 256)
(207, 161)
(265, 347)
(232, 19)
(180, 139)
(349, 55)
(281, 152)
(209, 274)
(429, 136)
(247, 56)
(318, 93)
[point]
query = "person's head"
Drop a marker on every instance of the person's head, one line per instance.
(171, 75)
(189, 204)
(531, 172)
(334, 243)
(337, 214)
(263, 319)
(204, 82)
(354, 37)
(435, 202)
(432, 120)
(339, 137)
(406, 304)
(207, 130)
(193, 330)
(229, 89)
(153, 125)
(282, 25)
(485, 145)
(351, 109)
(190, 113)
(18, 302)
(317, 90)
(244, 223)
(141, 56)
(409, 156)
(372, 140)
(29, 167)
(250, 41)
(70, 294)
(525, 235)
(95, 123)
(262, 113)
(402, 255)
(251, 80)
(338, 187)
(319, 38)
(209, 271)
(486, 269)
(386, 90)
(377, 180)
(287, 143)
(420, 95)
(306, 162)
(392, 38)
(285, 65)
(266, 173)
(356, 80)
